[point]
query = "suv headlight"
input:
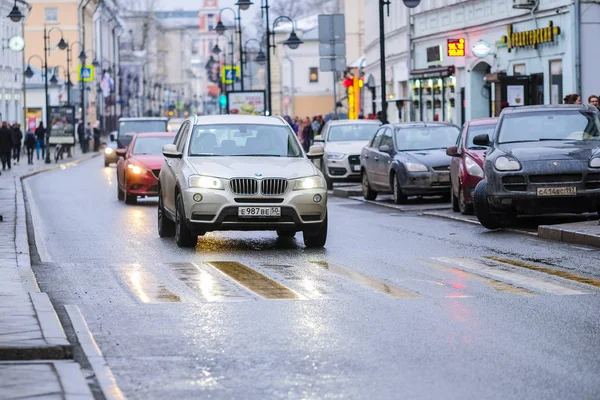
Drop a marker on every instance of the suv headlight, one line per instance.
(416, 167)
(595, 162)
(135, 169)
(335, 156)
(109, 150)
(310, 182)
(205, 182)
(473, 168)
(506, 164)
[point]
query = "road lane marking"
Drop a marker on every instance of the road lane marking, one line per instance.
(254, 281)
(106, 380)
(493, 283)
(206, 284)
(372, 283)
(561, 274)
(146, 286)
(513, 276)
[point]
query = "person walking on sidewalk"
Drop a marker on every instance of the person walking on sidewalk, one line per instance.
(97, 133)
(17, 136)
(81, 135)
(40, 134)
(30, 142)
(6, 145)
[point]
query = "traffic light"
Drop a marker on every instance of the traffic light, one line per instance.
(223, 100)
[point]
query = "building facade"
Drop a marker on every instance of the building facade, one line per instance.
(11, 65)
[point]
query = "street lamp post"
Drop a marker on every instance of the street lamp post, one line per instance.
(260, 52)
(62, 45)
(221, 28)
(15, 14)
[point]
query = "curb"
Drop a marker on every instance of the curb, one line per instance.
(467, 221)
(568, 236)
(346, 192)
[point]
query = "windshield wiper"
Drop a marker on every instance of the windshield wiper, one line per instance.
(518, 141)
(478, 148)
(260, 155)
(551, 139)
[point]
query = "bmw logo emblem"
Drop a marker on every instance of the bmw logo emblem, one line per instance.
(258, 174)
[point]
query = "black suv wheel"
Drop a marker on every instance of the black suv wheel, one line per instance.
(486, 216)
(184, 237)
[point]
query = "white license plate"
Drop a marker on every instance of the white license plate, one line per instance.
(557, 191)
(258, 212)
(444, 178)
(356, 168)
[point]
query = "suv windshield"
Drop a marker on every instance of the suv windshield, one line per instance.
(351, 132)
(150, 145)
(142, 126)
(244, 140)
(549, 125)
(475, 130)
(426, 138)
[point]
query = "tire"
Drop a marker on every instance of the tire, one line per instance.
(329, 183)
(368, 193)
(484, 213)
(463, 207)
(120, 195)
(316, 239)
(286, 234)
(129, 199)
(183, 235)
(106, 164)
(399, 197)
(166, 227)
(454, 200)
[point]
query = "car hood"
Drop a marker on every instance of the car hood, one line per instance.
(540, 151)
(477, 155)
(148, 161)
(353, 147)
(430, 158)
(252, 167)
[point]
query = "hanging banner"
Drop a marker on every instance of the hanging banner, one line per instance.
(62, 125)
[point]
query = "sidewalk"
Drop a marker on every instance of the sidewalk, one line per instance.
(32, 340)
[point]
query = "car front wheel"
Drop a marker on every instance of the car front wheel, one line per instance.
(486, 216)
(183, 235)
(463, 207)
(368, 193)
(399, 197)
(166, 227)
(286, 234)
(318, 238)
(454, 200)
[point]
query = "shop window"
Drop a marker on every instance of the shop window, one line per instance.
(537, 89)
(51, 14)
(556, 82)
(519, 69)
(313, 74)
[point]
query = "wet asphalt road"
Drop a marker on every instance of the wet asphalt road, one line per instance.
(398, 306)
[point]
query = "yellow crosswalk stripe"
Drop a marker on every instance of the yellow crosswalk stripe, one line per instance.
(146, 286)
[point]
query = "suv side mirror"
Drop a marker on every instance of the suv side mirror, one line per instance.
(482, 140)
(318, 138)
(452, 151)
(170, 151)
(315, 152)
(121, 152)
(385, 148)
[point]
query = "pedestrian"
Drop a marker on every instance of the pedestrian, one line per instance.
(30, 142)
(81, 135)
(40, 134)
(6, 145)
(88, 137)
(97, 132)
(315, 125)
(17, 136)
(593, 100)
(307, 134)
(572, 99)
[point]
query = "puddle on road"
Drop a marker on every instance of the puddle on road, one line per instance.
(372, 283)
(205, 284)
(146, 286)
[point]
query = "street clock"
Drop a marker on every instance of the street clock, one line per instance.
(16, 43)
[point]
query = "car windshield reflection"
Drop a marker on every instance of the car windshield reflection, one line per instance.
(150, 145)
(351, 132)
(426, 138)
(549, 126)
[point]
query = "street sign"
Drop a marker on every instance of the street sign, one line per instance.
(332, 28)
(333, 64)
(229, 73)
(332, 50)
(86, 73)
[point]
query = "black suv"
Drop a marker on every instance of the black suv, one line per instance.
(543, 159)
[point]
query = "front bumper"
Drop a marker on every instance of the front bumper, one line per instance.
(346, 169)
(426, 183)
(218, 210)
(145, 184)
(518, 192)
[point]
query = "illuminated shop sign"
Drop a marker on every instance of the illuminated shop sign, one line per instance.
(456, 47)
(530, 38)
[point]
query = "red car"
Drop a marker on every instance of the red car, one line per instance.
(139, 164)
(466, 167)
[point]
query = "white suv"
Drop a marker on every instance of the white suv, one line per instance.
(234, 172)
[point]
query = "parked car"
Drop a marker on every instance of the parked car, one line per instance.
(466, 167)
(542, 159)
(343, 141)
(408, 159)
(139, 165)
(237, 172)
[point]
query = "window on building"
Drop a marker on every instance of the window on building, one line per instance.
(51, 14)
(556, 82)
(313, 74)
(519, 69)
(210, 20)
